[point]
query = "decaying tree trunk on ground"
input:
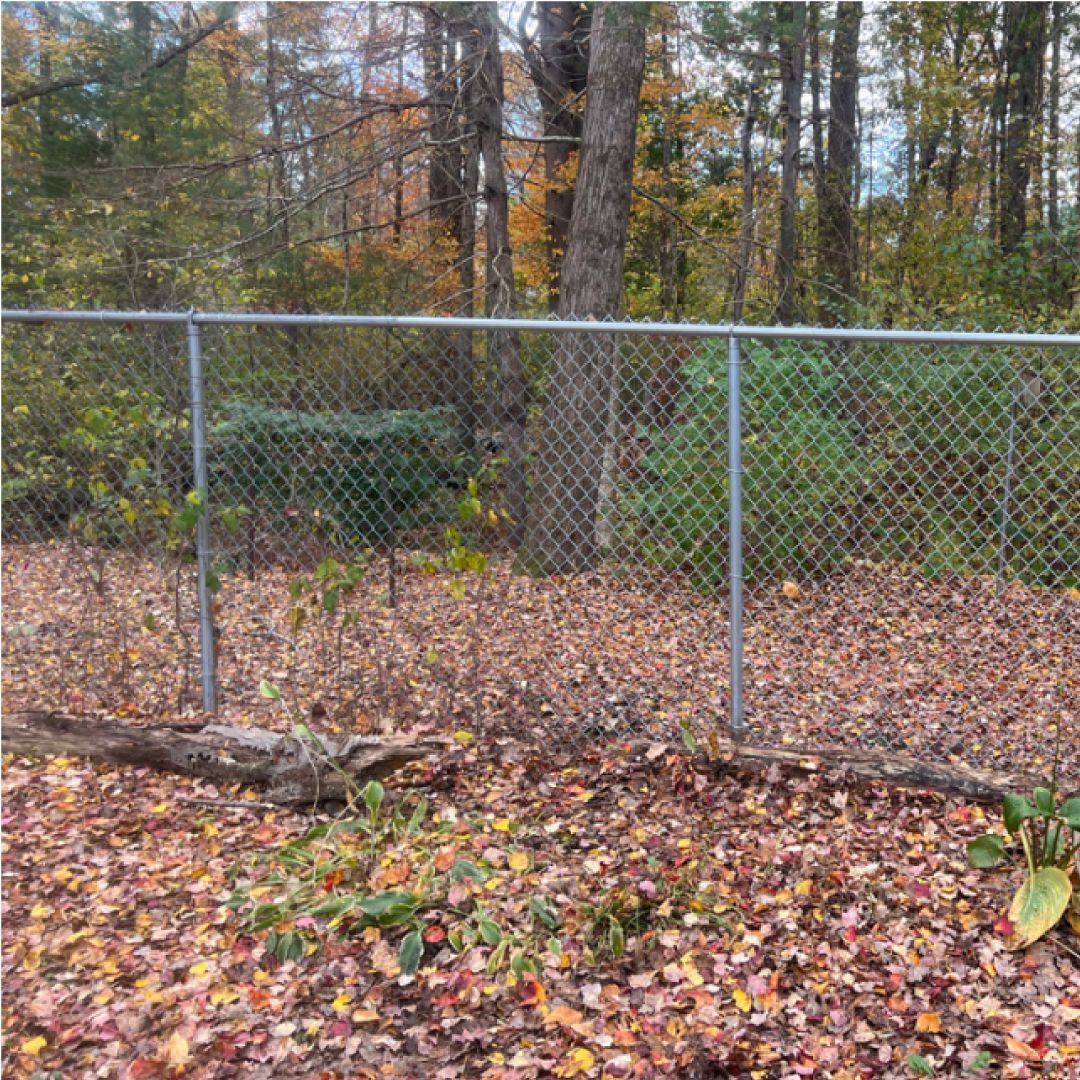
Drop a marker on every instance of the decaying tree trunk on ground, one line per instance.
(978, 785)
(289, 772)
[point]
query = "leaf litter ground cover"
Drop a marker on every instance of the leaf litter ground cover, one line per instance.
(871, 658)
(770, 926)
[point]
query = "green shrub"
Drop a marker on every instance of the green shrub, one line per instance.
(801, 470)
(367, 473)
(869, 451)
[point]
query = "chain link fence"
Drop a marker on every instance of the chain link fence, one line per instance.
(896, 525)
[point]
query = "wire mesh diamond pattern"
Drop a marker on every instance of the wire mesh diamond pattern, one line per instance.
(910, 518)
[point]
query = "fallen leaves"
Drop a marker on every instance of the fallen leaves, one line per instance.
(579, 1062)
(928, 1022)
(34, 1046)
(177, 1051)
(784, 925)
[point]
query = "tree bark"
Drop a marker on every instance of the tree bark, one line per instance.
(561, 535)
(959, 32)
(558, 61)
(813, 33)
(670, 277)
(1054, 121)
(290, 772)
(835, 230)
(505, 345)
(791, 23)
(277, 208)
(1024, 37)
(978, 785)
(447, 211)
(746, 155)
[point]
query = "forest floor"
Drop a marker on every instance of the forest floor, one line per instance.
(768, 926)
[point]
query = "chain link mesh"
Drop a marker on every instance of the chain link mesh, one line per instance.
(912, 535)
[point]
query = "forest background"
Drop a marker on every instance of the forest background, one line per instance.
(886, 163)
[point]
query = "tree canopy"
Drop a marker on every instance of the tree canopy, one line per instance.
(900, 162)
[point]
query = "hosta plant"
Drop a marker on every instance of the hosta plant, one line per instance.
(1049, 834)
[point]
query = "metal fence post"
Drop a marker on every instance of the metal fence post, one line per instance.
(735, 538)
(202, 528)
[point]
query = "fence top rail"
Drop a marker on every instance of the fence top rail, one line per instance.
(433, 322)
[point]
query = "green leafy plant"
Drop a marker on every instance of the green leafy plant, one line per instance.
(641, 908)
(321, 879)
(1049, 834)
(326, 595)
(326, 883)
(467, 563)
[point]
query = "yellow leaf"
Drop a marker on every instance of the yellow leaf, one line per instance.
(1041, 901)
(178, 1050)
(693, 976)
(519, 861)
(577, 1062)
(223, 995)
(34, 1046)
(502, 825)
(160, 808)
(742, 1000)
(199, 969)
(791, 590)
(928, 1022)
(340, 1003)
(39, 911)
(804, 888)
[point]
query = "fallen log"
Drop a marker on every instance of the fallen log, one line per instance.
(290, 771)
(978, 785)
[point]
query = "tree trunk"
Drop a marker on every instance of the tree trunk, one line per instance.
(834, 213)
(670, 261)
(505, 345)
(399, 159)
(1024, 36)
(558, 61)
(813, 33)
(54, 184)
(978, 785)
(447, 214)
(995, 123)
(561, 535)
(1054, 121)
(290, 772)
(791, 24)
(956, 143)
(746, 155)
(277, 203)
